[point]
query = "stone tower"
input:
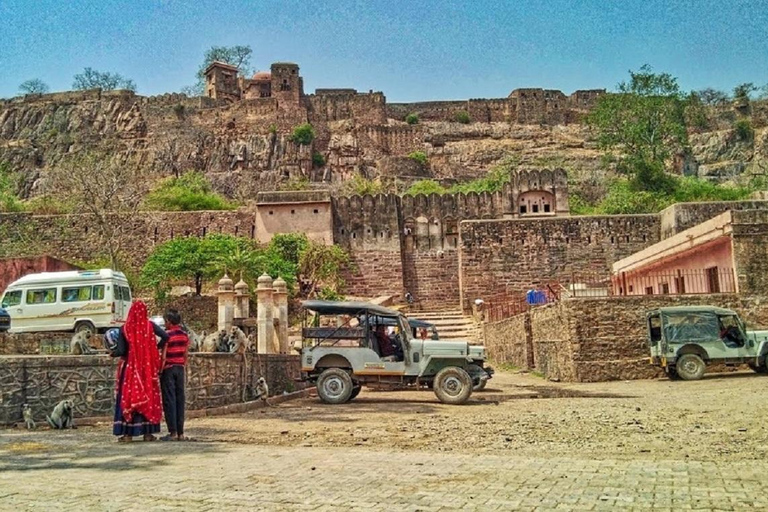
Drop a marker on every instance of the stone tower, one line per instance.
(221, 81)
(287, 85)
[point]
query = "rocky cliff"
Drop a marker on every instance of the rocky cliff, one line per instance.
(245, 146)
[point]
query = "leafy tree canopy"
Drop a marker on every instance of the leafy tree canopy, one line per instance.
(646, 120)
(92, 79)
(303, 134)
(33, 86)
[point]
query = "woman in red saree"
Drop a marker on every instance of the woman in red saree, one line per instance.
(138, 407)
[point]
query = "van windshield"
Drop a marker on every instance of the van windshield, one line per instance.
(12, 298)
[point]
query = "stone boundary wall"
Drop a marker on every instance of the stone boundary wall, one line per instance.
(682, 216)
(597, 339)
(213, 380)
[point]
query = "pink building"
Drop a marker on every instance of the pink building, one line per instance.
(697, 260)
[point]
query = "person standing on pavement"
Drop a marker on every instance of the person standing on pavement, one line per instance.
(137, 406)
(173, 376)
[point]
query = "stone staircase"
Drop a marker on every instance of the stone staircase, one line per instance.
(450, 324)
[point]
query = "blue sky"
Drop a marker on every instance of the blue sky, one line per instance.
(411, 50)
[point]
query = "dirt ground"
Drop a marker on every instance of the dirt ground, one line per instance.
(718, 418)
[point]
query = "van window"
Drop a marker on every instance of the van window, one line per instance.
(77, 294)
(42, 296)
(124, 293)
(12, 298)
(98, 292)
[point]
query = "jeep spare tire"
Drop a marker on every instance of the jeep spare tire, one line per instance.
(453, 385)
(690, 367)
(334, 386)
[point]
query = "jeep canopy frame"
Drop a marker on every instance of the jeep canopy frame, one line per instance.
(365, 313)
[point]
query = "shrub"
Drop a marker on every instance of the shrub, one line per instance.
(179, 110)
(318, 160)
(412, 118)
(492, 182)
(303, 134)
(361, 185)
(273, 128)
(743, 129)
(9, 201)
(189, 192)
(425, 187)
(419, 156)
(462, 117)
(296, 184)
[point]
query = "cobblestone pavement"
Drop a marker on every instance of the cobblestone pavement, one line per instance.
(86, 470)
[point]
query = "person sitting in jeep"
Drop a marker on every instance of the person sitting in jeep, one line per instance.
(729, 332)
(387, 347)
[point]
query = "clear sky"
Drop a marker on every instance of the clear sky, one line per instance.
(410, 49)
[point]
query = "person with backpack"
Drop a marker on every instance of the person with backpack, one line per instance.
(138, 408)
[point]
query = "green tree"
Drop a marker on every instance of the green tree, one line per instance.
(322, 266)
(197, 259)
(425, 187)
(303, 134)
(412, 118)
(646, 120)
(289, 246)
(491, 182)
(92, 79)
(743, 91)
(33, 86)
(189, 192)
(743, 129)
(238, 56)
(318, 160)
(713, 97)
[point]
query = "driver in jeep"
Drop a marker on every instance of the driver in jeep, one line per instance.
(729, 332)
(388, 349)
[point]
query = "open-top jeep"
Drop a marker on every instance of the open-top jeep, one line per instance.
(683, 340)
(347, 345)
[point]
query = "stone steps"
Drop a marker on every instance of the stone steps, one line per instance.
(450, 324)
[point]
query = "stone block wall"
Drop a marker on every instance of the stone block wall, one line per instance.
(375, 273)
(682, 216)
(750, 250)
(598, 339)
(502, 258)
(213, 380)
(35, 343)
(432, 277)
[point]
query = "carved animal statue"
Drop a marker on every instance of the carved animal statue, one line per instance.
(196, 340)
(239, 343)
(80, 343)
(213, 341)
(26, 411)
(62, 415)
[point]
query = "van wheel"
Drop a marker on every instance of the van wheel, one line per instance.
(334, 386)
(690, 367)
(84, 326)
(453, 385)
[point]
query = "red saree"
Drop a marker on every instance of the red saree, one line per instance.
(141, 387)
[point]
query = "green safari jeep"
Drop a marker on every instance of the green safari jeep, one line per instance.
(347, 345)
(684, 339)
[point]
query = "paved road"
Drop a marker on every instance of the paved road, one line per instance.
(86, 470)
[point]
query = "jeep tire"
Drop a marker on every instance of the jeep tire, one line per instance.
(690, 367)
(355, 391)
(334, 386)
(453, 385)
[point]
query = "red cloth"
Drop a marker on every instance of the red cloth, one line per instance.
(141, 386)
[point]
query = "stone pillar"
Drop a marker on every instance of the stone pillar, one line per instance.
(241, 300)
(264, 315)
(226, 296)
(280, 297)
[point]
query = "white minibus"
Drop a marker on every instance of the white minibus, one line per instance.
(68, 301)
